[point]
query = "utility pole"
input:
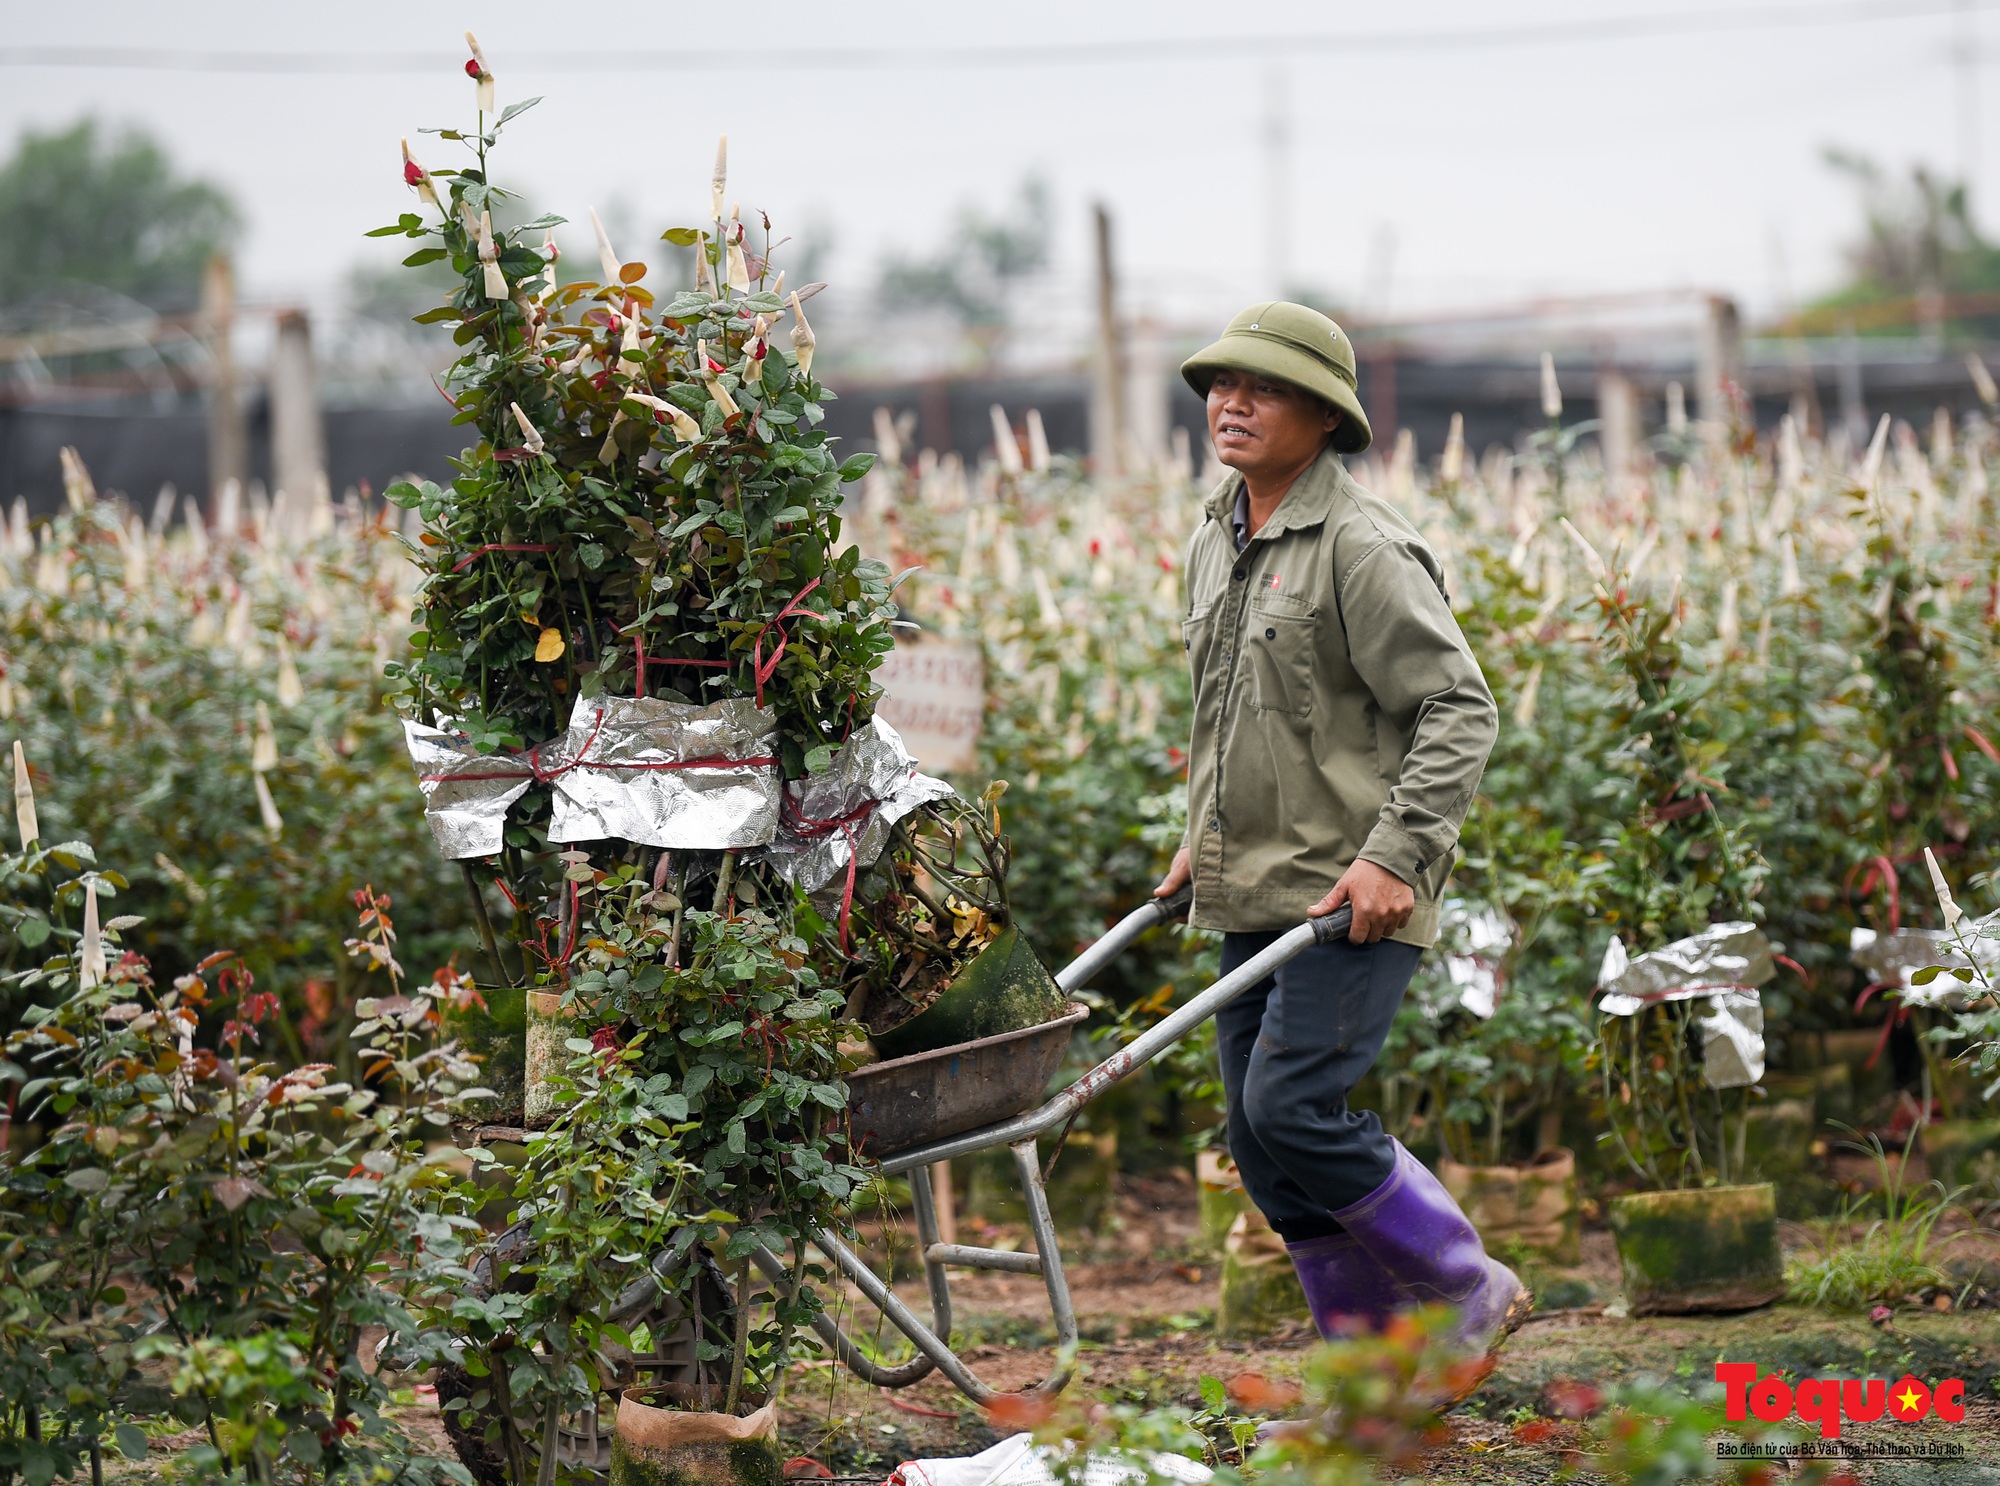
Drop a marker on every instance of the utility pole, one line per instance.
(1107, 391)
(1278, 181)
(228, 437)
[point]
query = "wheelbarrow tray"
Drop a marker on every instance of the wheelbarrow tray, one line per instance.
(911, 1101)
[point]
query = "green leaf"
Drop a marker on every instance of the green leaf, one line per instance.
(87, 1179)
(437, 316)
(424, 255)
(542, 223)
(32, 931)
(855, 467)
(1926, 975)
(1213, 1395)
(303, 1446)
(511, 111)
(820, 759)
(681, 237)
(131, 1441)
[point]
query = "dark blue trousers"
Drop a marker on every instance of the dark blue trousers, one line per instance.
(1293, 1046)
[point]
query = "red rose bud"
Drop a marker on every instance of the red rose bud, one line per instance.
(413, 173)
(473, 69)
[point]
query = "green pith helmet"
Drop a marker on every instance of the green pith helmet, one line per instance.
(1292, 344)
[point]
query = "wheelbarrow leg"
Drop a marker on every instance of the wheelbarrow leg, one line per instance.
(1027, 1161)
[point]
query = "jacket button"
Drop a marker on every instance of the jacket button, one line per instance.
(1237, 575)
(1270, 634)
(1215, 825)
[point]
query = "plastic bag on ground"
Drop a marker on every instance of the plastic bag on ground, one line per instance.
(1019, 1461)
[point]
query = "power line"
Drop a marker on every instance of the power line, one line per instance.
(1056, 54)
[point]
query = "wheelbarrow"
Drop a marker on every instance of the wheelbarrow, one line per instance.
(910, 1113)
(907, 1114)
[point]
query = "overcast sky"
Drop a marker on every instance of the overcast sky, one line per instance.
(1427, 177)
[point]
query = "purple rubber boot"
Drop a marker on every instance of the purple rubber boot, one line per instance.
(1413, 1229)
(1345, 1286)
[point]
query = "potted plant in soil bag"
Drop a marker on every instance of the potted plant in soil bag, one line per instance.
(1680, 1027)
(1488, 1058)
(1681, 1044)
(640, 702)
(1947, 977)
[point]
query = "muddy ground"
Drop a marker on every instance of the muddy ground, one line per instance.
(1146, 1296)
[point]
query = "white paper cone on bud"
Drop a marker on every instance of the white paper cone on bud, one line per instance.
(739, 266)
(422, 184)
(1531, 689)
(1982, 379)
(550, 254)
(24, 799)
(267, 808)
(715, 388)
(76, 481)
(719, 181)
(685, 428)
(489, 257)
(1790, 584)
(607, 452)
(264, 748)
(1728, 625)
(291, 691)
(628, 339)
(1451, 464)
(1005, 445)
(607, 260)
(778, 284)
(90, 948)
(1593, 559)
(1677, 409)
(802, 336)
(1871, 463)
(704, 281)
(484, 92)
(1950, 909)
(1552, 396)
(1038, 442)
(531, 439)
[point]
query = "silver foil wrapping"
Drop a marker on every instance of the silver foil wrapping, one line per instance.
(1893, 959)
(656, 772)
(1724, 963)
(1472, 939)
(1732, 1040)
(466, 794)
(621, 773)
(845, 813)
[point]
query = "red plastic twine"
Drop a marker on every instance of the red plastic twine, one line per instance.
(764, 669)
(532, 758)
(808, 827)
(478, 552)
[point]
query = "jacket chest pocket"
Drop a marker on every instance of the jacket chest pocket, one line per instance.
(1197, 634)
(1280, 640)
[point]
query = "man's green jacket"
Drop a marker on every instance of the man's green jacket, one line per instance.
(1338, 711)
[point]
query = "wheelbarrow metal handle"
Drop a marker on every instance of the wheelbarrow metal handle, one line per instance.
(1136, 1054)
(1154, 911)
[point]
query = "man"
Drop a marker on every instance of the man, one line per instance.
(1341, 724)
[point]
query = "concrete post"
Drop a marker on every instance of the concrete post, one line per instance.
(1721, 360)
(298, 441)
(1618, 423)
(228, 437)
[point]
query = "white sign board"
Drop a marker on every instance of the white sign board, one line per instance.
(936, 698)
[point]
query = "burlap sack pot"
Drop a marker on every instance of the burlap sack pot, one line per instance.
(667, 1446)
(1532, 1205)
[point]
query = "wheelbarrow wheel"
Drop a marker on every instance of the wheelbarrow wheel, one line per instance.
(583, 1440)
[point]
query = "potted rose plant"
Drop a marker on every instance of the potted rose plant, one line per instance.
(641, 707)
